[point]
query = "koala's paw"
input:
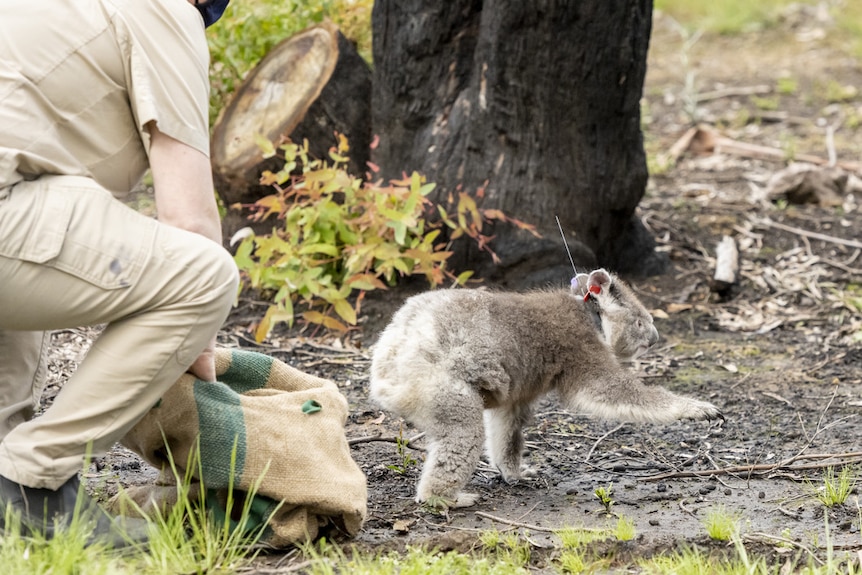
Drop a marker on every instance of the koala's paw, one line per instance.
(438, 503)
(528, 472)
(696, 409)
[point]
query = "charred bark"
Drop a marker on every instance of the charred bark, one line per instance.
(539, 99)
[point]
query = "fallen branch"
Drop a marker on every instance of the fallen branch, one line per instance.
(704, 139)
(732, 91)
(766, 222)
(765, 468)
(529, 526)
(379, 437)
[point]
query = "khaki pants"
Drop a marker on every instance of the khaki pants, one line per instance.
(72, 255)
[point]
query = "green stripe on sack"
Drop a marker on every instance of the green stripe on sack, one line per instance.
(248, 370)
(222, 425)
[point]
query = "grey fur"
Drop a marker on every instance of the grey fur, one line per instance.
(451, 358)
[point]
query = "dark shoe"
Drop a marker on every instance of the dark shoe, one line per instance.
(45, 511)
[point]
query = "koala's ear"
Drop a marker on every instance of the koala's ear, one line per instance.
(599, 281)
(579, 284)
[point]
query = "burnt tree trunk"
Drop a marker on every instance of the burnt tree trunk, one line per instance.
(539, 99)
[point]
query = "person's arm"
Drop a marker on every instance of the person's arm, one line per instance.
(182, 178)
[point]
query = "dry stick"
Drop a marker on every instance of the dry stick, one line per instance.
(379, 437)
(751, 469)
(733, 91)
(600, 439)
(805, 233)
(527, 525)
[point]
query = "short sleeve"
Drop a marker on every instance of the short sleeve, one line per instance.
(167, 68)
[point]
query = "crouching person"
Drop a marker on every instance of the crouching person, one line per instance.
(92, 93)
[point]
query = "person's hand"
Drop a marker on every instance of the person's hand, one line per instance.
(204, 366)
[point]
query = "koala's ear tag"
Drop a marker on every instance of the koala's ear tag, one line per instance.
(593, 290)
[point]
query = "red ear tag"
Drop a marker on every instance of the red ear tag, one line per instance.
(593, 290)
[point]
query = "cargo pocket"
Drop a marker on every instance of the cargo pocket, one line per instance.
(74, 225)
(32, 224)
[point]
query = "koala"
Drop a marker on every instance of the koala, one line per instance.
(465, 365)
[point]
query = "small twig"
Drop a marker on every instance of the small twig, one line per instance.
(527, 525)
(788, 513)
(530, 510)
(685, 509)
(379, 437)
(600, 439)
(842, 267)
(766, 222)
(732, 91)
(852, 457)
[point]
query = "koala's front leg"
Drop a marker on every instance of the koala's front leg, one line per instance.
(623, 396)
(505, 440)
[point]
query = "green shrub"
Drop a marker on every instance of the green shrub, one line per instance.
(338, 237)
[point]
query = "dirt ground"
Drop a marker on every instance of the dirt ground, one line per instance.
(779, 353)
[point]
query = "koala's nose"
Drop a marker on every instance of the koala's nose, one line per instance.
(653, 335)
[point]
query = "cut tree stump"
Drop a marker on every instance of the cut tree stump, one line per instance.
(308, 87)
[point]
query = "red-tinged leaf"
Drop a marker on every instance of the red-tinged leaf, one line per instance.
(525, 226)
(366, 282)
(313, 316)
(441, 256)
(456, 234)
(375, 142)
(373, 167)
(492, 214)
(324, 320)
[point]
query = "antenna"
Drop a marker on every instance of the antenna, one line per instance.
(565, 243)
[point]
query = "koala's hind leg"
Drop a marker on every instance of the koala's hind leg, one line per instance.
(455, 434)
(505, 439)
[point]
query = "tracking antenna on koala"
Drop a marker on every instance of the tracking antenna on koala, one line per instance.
(566, 244)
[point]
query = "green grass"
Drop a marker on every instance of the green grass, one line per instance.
(724, 16)
(730, 17)
(625, 529)
(185, 538)
(836, 487)
(178, 547)
(721, 524)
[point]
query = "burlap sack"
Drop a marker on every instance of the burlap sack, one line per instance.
(281, 420)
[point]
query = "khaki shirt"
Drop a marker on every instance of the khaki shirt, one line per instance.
(79, 80)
